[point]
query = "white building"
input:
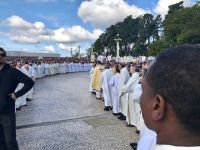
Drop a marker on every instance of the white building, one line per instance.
(22, 53)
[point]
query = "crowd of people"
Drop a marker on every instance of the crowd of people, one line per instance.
(125, 88)
(158, 96)
(119, 86)
(36, 68)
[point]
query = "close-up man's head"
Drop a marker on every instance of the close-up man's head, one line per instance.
(171, 90)
(2, 56)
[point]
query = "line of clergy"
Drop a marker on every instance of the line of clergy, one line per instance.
(41, 70)
(119, 86)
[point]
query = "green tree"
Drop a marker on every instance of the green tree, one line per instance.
(156, 47)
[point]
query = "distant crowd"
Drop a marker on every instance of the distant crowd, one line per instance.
(36, 68)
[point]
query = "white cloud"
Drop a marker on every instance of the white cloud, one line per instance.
(18, 22)
(49, 49)
(22, 31)
(103, 13)
(162, 6)
(75, 33)
(69, 46)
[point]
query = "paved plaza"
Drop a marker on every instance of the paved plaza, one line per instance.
(63, 115)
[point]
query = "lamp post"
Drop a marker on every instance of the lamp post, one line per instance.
(71, 51)
(117, 40)
(79, 50)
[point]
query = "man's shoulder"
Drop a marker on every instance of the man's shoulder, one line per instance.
(9, 67)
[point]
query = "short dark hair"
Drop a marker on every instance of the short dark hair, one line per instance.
(116, 67)
(1, 49)
(175, 75)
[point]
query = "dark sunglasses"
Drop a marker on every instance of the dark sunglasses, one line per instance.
(2, 55)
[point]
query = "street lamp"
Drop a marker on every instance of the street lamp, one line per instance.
(71, 51)
(117, 40)
(79, 50)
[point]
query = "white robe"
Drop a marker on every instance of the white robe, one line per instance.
(35, 71)
(148, 141)
(123, 79)
(47, 70)
(105, 80)
(140, 121)
(170, 147)
(128, 107)
(91, 74)
(29, 94)
(115, 92)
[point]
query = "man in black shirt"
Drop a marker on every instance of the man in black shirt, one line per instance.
(9, 79)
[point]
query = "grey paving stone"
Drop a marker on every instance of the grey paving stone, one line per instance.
(63, 115)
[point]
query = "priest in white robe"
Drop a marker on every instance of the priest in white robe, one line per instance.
(128, 89)
(105, 80)
(115, 89)
(28, 96)
(124, 77)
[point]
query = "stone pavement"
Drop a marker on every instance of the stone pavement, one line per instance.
(63, 115)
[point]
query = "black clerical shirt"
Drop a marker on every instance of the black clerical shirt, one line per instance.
(9, 79)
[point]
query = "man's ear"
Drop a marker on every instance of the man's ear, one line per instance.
(158, 107)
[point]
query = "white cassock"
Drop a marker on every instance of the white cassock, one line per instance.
(65, 67)
(43, 70)
(35, 71)
(129, 107)
(60, 69)
(39, 71)
(139, 119)
(19, 101)
(91, 75)
(84, 67)
(51, 69)
(69, 67)
(73, 67)
(115, 92)
(29, 94)
(105, 83)
(78, 67)
(47, 70)
(123, 79)
(57, 66)
(148, 141)
(170, 147)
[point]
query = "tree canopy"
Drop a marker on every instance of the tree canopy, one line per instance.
(148, 35)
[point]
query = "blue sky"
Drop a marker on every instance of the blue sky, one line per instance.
(58, 25)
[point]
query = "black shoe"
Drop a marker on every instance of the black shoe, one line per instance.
(110, 108)
(120, 114)
(115, 114)
(106, 108)
(137, 131)
(18, 108)
(28, 99)
(94, 93)
(130, 125)
(122, 118)
(134, 145)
